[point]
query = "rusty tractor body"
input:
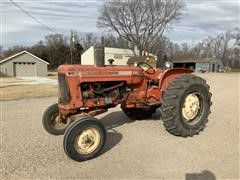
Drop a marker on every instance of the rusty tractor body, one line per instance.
(84, 89)
(182, 99)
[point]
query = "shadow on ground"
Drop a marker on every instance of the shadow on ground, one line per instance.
(118, 118)
(204, 175)
(113, 120)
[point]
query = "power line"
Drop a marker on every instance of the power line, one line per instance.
(48, 28)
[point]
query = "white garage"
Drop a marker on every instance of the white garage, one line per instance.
(23, 64)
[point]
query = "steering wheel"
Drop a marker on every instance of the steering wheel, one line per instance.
(149, 70)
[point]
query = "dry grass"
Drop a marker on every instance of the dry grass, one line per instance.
(52, 75)
(28, 91)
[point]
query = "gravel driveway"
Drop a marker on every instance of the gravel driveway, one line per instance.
(140, 149)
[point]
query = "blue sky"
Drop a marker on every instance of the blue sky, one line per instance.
(201, 19)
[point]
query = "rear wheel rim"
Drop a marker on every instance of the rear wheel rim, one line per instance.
(191, 108)
(87, 141)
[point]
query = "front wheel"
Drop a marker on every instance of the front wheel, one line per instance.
(52, 122)
(186, 105)
(84, 139)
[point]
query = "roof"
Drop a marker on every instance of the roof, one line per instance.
(4, 60)
(202, 60)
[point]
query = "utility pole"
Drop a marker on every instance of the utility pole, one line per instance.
(71, 45)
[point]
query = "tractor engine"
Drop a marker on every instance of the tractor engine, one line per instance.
(87, 88)
(108, 94)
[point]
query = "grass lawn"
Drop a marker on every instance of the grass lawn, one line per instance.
(27, 91)
(52, 75)
(9, 91)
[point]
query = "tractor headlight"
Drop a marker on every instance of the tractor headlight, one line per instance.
(168, 64)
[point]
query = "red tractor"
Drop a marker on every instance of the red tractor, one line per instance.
(85, 91)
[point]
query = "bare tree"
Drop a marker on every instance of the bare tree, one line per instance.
(197, 50)
(161, 49)
(57, 49)
(113, 41)
(89, 40)
(141, 22)
(225, 46)
(13, 50)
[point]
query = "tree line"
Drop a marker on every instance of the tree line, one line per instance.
(55, 48)
(136, 25)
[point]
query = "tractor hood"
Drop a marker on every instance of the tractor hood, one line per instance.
(89, 73)
(93, 71)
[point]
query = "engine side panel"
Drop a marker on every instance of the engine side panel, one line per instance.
(76, 75)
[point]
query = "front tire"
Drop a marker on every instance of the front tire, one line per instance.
(52, 122)
(186, 105)
(84, 139)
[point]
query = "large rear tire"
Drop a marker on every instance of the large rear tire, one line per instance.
(84, 139)
(186, 105)
(138, 114)
(52, 122)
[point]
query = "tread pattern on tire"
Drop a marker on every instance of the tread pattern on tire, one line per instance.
(170, 105)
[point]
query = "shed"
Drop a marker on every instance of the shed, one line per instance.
(217, 65)
(201, 65)
(120, 56)
(23, 64)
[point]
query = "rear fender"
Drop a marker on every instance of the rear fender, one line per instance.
(171, 74)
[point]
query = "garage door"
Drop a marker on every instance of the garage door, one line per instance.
(25, 69)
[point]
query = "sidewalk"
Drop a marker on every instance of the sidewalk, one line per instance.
(29, 81)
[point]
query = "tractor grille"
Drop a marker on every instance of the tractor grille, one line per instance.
(64, 91)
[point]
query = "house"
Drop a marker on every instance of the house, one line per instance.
(23, 64)
(120, 56)
(201, 65)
